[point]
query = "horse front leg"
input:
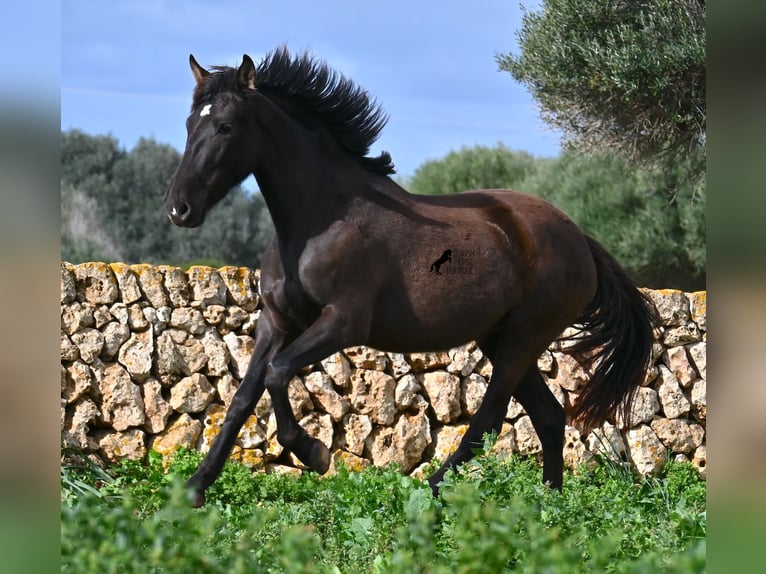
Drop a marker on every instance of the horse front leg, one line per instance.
(268, 340)
(331, 332)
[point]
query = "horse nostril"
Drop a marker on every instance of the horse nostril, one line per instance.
(181, 210)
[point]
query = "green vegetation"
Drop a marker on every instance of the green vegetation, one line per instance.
(625, 75)
(492, 516)
(111, 209)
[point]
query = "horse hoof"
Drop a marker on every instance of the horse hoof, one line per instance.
(198, 500)
(320, 458)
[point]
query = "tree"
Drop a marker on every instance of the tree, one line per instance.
(622, 74)
(477, 167)
(644, 216)
(112, 209)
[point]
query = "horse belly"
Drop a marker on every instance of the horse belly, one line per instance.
(438, 312)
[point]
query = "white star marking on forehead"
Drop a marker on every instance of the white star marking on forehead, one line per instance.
(205, 110)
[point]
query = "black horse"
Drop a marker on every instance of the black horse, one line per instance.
(349, 263)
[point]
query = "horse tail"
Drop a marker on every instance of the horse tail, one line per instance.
(616, 340)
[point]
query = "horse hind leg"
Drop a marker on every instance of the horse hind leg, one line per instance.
(548, 418)
(510, 364)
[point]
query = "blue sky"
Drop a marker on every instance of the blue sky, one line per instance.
(430, 64)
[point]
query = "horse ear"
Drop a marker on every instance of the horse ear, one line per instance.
(198, 71)
(246, 73)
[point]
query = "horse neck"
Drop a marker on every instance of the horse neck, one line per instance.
(305, 179)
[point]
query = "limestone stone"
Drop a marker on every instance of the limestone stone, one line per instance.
(76, 316)
(575, 451)
(176, 284)
(373, 394)
(700, 460)
(212, 421)
(68, 291)
(672, 306)
(463, 360)
(339, 369)
(402, 444)
(698, 354)
(77, 423)
(699, 400)
(527, 441)
(156, 408)
(407, 392)
(122, 406)
(678, 435)
(319, 426)
(484, 368)
(399, 364)
(117, 446)
(115, 334)
(120, 312)
(443, 393)
(347, 460)
(514, 409)
(645, 405)
(252, 458)
(251, 435)
(698, 308)
(356, 429)
(241, 348)
(214, 314)
(674, 403)
(191, 394)
(646, 451)
(226, 386)
(76, 381)
(421, 362)
(367, 358)
(136, 355)
(193, 352)
(472, 389)
(606, 441)
(299, 397)
(569, 373)
(545, 362)
(150, 280)
(236, 318)
(69, 351)
(96, 283)
(217, 353)
(101, 316)
(445, 440)
(242, 285)
(137, 318)
(189, 319)
(320, 386)
(127, 282)
(182, 432)
(207, 287)
(677, 360)
(683, 334)
(168, 360)
(506, 440)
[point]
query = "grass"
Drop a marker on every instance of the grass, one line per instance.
(492, 516)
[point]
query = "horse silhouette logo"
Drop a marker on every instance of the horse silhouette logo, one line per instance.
(446, 257)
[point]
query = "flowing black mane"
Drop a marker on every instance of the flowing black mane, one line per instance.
(343, 108)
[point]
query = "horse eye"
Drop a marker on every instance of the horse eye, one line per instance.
(224, 129)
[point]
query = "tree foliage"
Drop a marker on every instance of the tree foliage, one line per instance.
(618, 74)
(112, 209)
(477, 167)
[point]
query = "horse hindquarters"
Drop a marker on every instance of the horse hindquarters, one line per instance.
(618, 324)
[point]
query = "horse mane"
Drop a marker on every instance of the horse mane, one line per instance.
(346, 110)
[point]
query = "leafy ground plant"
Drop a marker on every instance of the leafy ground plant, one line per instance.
(492, 516)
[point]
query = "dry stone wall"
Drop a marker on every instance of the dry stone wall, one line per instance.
(152, 355)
